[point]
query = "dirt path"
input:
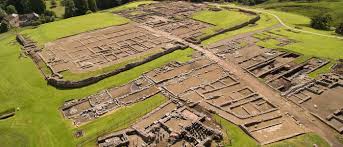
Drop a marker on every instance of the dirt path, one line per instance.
(282, 23)
(264, 90)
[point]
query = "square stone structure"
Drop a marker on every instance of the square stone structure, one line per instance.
(101, 48)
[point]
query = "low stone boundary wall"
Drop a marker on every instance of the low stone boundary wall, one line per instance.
(7, 113)
(66, 84)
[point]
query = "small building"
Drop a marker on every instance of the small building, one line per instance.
(22, 20)
(13, 20)
(27, 19)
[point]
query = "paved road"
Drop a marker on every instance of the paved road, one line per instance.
(282, 23)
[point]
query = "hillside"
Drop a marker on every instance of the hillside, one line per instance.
(309, 9)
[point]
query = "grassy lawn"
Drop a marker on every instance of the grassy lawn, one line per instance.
(221, 19)
(309, 9)
(307, 44)
(119, 119)
(38, 121)
(265, 22)
(298, 21)
(235, 134)
(306, 140)
(71, 26)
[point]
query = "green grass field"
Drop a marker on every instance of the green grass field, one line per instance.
(299, 22)
(38, 122)
(305, 140)
(71, 26)
(309, 9)
(221, 19)
(265, 22)
(307, 44)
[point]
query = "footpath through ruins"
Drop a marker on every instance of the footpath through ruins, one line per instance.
(286, 106)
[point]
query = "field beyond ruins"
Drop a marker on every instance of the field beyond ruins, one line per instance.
(172, 73)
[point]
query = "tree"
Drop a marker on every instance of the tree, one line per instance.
(4, 27)
(339, 29)
(70, 9)
(81, 6)
(16, 3)
(321, 22)
(26, 6)
(105, 4)
(38, 6)
(53, 3)
(10, 9)
(92, 5)
(3, 14)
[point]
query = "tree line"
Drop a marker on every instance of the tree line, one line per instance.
(81, 7)
(324, 22)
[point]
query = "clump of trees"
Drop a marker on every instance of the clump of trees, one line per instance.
(339, 29)
(322, 22)
(4, 27)
(81, 7)
(23, 6)
(8, 7)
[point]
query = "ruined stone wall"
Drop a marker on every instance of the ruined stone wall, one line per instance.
(251, 21)
(66, 84)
